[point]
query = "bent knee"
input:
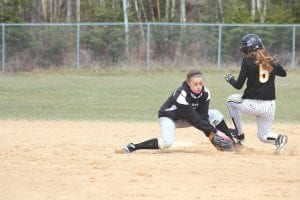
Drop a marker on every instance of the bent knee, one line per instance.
(215, 116)
(236, 98)
(263, 137)
(164, 144)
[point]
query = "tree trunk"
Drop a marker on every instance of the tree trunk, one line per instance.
(258, 5)
(182, 11)
(178, 53)
(253, 9)
(113, 4)
(69, 11)
(125, 13)
(143, 10)
(221, 13)
(158, 9)
(78, 11)
(234, 3)
(51, 10)
(54, 13)
(167, 10)
(138, 12)
(152, 12)
(102, 2)
(173, 9)
(34, 11)
(59, 7)
(264, 12)
(44, 10)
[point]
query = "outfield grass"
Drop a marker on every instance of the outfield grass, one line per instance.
(118, 96)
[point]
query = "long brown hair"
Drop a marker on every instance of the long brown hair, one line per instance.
(264, 59)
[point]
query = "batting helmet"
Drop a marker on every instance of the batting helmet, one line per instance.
(250, 42)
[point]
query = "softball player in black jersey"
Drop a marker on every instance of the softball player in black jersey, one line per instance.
(260, 69)
(187, 106)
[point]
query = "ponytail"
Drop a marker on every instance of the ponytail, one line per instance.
(266, 60)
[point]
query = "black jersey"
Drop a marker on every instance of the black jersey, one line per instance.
(184, 104)
(260, 83)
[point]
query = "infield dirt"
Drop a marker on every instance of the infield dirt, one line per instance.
(80, 160)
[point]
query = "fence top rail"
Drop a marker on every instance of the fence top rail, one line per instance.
(149, 23)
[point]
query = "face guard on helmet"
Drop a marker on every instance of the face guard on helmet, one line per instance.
(250, 42)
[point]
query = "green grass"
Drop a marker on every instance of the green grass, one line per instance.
(118, 95)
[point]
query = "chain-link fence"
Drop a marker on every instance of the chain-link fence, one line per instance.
(144, 45)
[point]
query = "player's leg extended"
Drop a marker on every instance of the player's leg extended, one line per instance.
(148, 144)
(167, 128)
(234, 105)
(167, 131)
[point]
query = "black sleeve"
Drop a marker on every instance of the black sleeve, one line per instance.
(203, 109)
(194, 118)
(238, 84)
(279, 70)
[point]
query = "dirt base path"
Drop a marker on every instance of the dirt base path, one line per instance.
(78, 160)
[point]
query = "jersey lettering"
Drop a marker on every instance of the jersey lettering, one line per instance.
(263, 74)
(195, 105)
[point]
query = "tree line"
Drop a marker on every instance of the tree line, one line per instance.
(29, 47)
(203, 11)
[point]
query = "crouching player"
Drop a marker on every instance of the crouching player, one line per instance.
(189, 106)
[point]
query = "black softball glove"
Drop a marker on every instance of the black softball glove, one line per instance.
(221, 141)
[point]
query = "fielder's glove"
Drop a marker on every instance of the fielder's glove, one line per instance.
(221, 141)
(228, 77)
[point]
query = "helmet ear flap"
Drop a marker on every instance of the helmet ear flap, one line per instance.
(243, 54)
(244, 50)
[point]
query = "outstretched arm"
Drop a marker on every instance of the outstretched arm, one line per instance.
(190, 115)
(200, 122)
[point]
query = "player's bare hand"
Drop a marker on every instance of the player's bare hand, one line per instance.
(228, 77)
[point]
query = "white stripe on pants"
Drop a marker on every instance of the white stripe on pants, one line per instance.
(263, 110)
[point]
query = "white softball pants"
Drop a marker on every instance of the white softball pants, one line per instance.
(168, 127)
(263, 110)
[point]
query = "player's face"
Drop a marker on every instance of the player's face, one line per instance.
(196, 84)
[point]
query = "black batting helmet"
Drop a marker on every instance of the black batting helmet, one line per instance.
(250, 42)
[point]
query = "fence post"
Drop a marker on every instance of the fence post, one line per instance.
(3, 48)
(294, 48)
(148, 46)
(219, 46)
(78, 47)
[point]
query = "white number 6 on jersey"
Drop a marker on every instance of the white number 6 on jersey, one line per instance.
(263, 74)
